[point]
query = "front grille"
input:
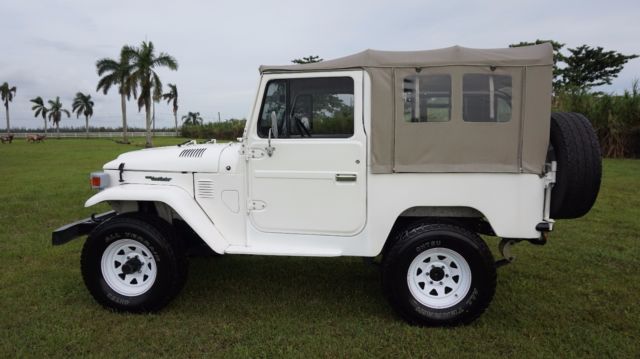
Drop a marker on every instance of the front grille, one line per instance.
(192, 152)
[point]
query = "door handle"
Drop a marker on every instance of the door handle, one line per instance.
(346, 177)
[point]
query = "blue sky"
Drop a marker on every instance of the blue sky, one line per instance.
(49, 48)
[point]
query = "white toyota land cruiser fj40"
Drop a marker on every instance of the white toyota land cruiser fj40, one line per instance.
(405, 155)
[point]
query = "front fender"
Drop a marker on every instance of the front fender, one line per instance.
(176, 198)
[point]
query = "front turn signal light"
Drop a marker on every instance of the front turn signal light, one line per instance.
(99, 180)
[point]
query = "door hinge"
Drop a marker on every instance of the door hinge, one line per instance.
(254, 205)
(253, 153)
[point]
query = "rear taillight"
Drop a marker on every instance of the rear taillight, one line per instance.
(99, 180)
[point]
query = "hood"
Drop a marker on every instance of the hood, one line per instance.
(188, 158)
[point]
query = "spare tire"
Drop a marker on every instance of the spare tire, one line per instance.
(574, 146)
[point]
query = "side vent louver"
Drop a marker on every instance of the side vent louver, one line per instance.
(204, 189)
(192, 152)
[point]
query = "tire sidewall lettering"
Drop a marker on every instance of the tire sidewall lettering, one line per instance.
(428, 245)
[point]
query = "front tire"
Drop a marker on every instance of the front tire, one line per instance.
(133, 263)
(438, 275)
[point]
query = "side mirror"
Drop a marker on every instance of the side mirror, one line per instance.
(269, 149)
(274, 124)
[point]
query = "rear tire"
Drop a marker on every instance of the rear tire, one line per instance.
(439, 275)
(574, 145)
(133, 263)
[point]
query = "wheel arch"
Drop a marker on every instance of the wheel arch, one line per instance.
(466, 217)
(127, 198)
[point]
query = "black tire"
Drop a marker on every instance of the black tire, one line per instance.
(165, 249)
(574, 145)
(422, 239)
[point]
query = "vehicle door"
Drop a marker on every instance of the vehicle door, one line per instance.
(307, 155)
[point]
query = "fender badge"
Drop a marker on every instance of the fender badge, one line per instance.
(161, 179)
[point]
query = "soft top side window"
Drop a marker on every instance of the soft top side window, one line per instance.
(320, 107)
(427, 98)
(486, 98)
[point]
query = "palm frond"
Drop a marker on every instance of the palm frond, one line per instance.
(157, 85)
(106, 82)
(166, 60)
(106, 65)
(7, 93)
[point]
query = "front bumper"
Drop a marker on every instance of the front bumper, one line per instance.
(79, 228)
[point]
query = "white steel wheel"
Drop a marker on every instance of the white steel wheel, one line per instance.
(128, 267)
(438, 274)
(439, 278)
(133, 263)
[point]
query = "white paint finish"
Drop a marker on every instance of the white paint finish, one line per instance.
(443, 291)
(264, 243)
(182, 180)
(298, 183)
(167, 159)
(113, 261)
(512, 203)
(271, 250)
(230, 160)
(289, 174)
(298, 208)
(175, 197)
(231, 200)
(228, 219)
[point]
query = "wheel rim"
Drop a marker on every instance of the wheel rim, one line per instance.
(128, 267)
(439, 278)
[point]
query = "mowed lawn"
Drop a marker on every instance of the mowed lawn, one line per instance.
(577, 296)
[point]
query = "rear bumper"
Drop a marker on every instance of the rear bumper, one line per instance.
(79, 228)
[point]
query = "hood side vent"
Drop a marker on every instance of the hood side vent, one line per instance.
(205, 189)
(192, 152)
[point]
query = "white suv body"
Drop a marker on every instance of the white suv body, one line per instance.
(240, 200)
(307, 178)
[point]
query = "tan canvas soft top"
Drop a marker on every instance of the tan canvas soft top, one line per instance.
(397, 145)
(455, 55)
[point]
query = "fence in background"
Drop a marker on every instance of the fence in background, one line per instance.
(94, 134)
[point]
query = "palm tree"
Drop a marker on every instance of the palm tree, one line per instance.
(172, 97)
(55, 113)
(117, 73)
(143, 62)
(40, 109)
(82, 105)
(192, 118)
(7, 93)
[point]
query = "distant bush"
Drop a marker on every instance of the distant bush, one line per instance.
(91, 129)
(227, 130)
(616, 118)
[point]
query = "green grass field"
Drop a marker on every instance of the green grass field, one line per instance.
(578, 296)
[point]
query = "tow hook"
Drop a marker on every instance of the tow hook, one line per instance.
(505, 250)
(506, 244)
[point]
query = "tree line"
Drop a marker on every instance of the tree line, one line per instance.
(133, 73)
(577, 71)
